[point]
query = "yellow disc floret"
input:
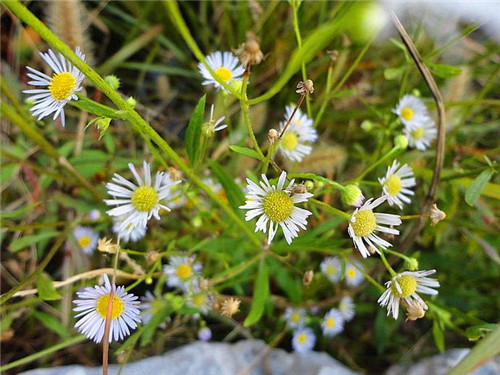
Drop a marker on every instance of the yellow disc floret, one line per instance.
(61, 85)
(417, 133)
(116, 306)
(277, 205)
(330, 269)
(84, 241)
(364, 223)
(144, 198)
(289, 141)
(351, 272)
(183, 271)
(330, 322)
(302, 338)
(407, 113)
(224, 73)
(408, 285)
(393, 184)
(295, 317)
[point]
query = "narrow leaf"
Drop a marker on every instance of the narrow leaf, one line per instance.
(52, 323)
(158, 318)
(438, 335)
(474, 190)
(445, 71)
(46, 289)
(18, 212)
(193, 131)
(31, 239)
(234, 193)
(246, 151)
(260, 294)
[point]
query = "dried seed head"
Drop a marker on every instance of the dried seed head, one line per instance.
(204, 284)
(152, 257)
(298, 189)
(230, 306)
(333, 54)
(305, 87)
(415, 310)
(272, 136)
(249, 52)
(308, 277)
(106, 246)
(436, 215)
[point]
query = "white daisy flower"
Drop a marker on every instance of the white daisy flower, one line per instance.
(138, 203)
(200, 299)
(333, 323)
(182, 272)
(421, 134)
(411, 110)
(275, 206)
(353, 277)
(331, 267)
(61, 87)
(294, 144)
(364, 224)
(132, 233)
(295, 318)
(346, 308)
(396, 184)
(405, 286)
(225, 65)
(150, 306)
(92, 308)
(86, 239)
(303, 340)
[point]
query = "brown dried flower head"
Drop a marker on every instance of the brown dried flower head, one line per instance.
(152, 256)
(415, 310)
(249, 52)
(305, 87)
(204, 284)
(230, 306)
(436, 215)
(308, 277)
(106, 246)
(298, 189)
(272, 136)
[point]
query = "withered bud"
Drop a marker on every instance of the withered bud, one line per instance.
(305, 87)
(106, 246)
(152, 257)
(333, 54)
(308, 277)
(204, 284)
(436, 215)
(372, 250)
(249, 52)
(272, 136)
(298, 189)
(415, 310)
(230, 306)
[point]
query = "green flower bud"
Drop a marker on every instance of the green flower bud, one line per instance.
(352, 196)
(309, 185)
(411, 264)
(367, 125)
(236, 85)
(113, 81)
(132, 102)
(196, 222)
(401, 142)
(319, 184)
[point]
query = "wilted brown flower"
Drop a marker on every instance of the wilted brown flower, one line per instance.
(230, 306)
(272, 136)
(249, 52)
(414, 310)
(308, 277)
(436, 215)
(305, 87)
(106, 246)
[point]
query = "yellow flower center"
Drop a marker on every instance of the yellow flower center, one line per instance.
(351, 272)
(289, 141)
(199, 300)
(183, 271)
(144, 198)
(407, 113)
(364, 224)
(417, 133)
(224, 73)
(295, 317)
(408, 285)
(330, 322)
(330, 269)
(116, 306)
(277, 205)
(61, 85)
(393, 184)
(302, 338)
(84, 241)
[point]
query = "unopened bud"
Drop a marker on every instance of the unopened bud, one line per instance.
(272, 136)
(401, 142)
(367, 125)
(131, 102)
(113, 81)
(308, 277)
(352, 196)
(309, 185)
(411, 264)
(236, 85)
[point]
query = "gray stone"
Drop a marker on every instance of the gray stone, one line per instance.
(250, 357)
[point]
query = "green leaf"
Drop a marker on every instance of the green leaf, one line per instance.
(7, 171)
(88, 105)
(89, 162)
(52, 323)
(445, 71)
(381, 331)
(193, 131)
(474, 190)
(19, 212)
(438, 335)
(246, 151)
(234, 193)
(46, 289)
(25, 241)
(260, 294)
(476, 332)
(158, 318)
(393, 73)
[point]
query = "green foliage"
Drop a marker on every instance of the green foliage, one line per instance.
(260, 294)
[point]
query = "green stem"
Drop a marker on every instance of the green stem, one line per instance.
(331, 209)
(245, 110)
(399, 255)
(369, 278)
(70, 342)
(312, 176)
(324, 103)
(393, 152)
(386, 264)
(137, 122)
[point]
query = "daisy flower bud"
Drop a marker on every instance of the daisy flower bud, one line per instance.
(352, 196)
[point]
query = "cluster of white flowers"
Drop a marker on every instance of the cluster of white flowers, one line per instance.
(331, 267)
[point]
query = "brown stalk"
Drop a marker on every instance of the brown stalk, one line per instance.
(431, 195)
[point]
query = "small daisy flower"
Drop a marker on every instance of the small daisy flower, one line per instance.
(225, 65)
(275, 206)
(294, 144)
(353, 277)
(331, 267)
(303, 340)
(204, 334)
(92, 308)
(421, 134)
(200, 299)
(295, 318)
(212, 126)
(364, 224)
(138, 203)
(182, 271)
(404, 286)
(346, 308)
(86, 239)
(150, 306)
(411, 110)
(61, 87)
(333, 323)
(396, 184)
(131, 234)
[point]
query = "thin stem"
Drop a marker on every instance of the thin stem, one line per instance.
(399, 255)
(297, 106)
(245, 111)
(368, 277)
(393, 152)
(386, 264)
(331, 209)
